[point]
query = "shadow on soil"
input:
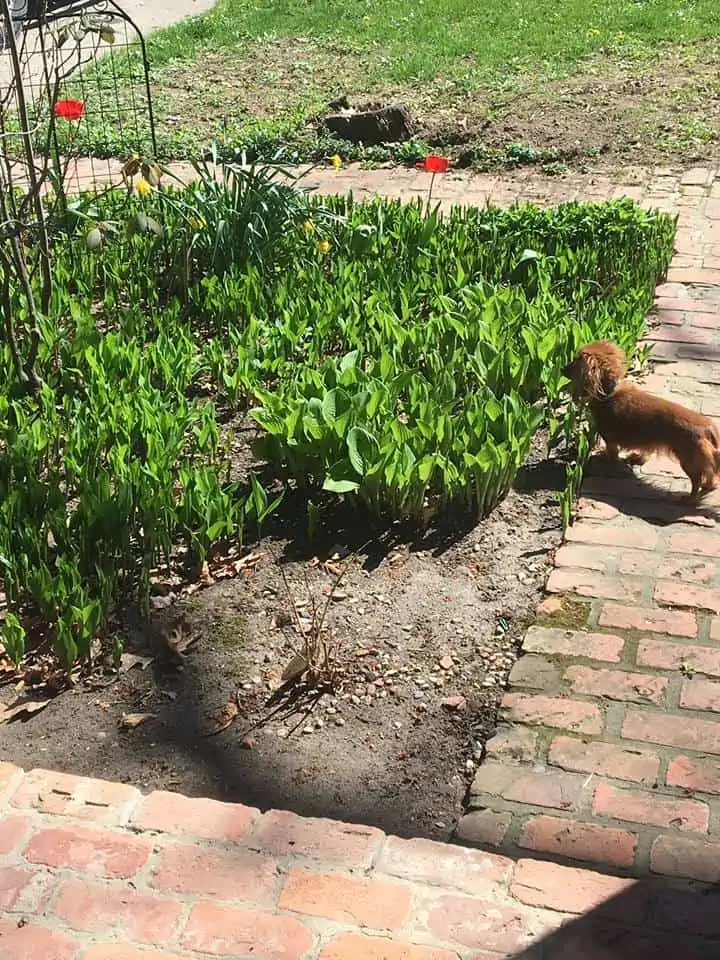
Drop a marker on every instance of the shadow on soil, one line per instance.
(389, 753)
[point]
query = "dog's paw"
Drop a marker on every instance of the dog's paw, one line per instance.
(636, 459)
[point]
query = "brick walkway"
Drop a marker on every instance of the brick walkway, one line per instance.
(608, 753)
(95, 871)
(609, 749)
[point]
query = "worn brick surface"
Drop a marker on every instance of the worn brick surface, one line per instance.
(697, 776)
(488, 925)
(651, 809)
(285, 834)
(215, 874)
(125, 951)
(574, 715)
(354, 946)
(366, 903)
(13, 830)
(688, 733)
(30, 941)
(570, 889)
(587, 583)
(234, 931)
(579, 841)
(79, 797)
(572, 643)
(101, 852)
(616, 684)
(210, 819)
(106, 909)
(700, 694)
(678, 623)
(538, 788)
(605, 759)
(668, 655)
(682, 856)
(428, 862)
(483, 828)
(15, 883)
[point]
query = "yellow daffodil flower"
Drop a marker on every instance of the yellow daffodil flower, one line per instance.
(336, 161)
(143, 187)
(322, 246)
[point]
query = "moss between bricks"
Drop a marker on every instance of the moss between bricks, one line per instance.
(563, 612)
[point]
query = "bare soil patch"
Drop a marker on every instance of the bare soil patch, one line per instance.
(611, 111)
(428, 631)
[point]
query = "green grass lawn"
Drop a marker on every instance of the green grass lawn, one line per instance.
(634, 79)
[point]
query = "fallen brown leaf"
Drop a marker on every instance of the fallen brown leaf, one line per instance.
(226, 716)
(129, 721)
(297, 666)
(130, 660)
(249, 560)
(205, 577)
(22, 711)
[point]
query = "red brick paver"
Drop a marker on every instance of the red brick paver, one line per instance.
(631, 698)
(279, 890)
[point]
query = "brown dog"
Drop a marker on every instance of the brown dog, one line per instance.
(628, 418)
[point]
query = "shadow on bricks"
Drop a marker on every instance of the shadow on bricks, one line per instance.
(645, 920)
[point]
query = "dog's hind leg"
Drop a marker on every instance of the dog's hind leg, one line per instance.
(696, 479)
(611, 451)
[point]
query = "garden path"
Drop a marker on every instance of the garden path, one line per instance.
(608, 753)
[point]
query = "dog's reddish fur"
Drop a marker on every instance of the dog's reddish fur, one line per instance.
(628, 418)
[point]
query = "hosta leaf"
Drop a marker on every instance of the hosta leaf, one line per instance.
(363, 449)
(340, 486)
(335, 404)
(340, 478)
(349, 360)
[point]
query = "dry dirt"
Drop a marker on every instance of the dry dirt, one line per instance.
(414, 623)
(609, 112)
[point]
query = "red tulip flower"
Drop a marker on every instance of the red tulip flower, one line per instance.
(435, 164)
(69, 109)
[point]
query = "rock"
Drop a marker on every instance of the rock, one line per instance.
(453, 703)
(370, 127)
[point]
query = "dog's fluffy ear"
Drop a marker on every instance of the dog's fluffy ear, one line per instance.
(599, 378)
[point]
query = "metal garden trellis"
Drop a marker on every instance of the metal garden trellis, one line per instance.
(74, 95)
(88, 50)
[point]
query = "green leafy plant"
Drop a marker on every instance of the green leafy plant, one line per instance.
(390, 355)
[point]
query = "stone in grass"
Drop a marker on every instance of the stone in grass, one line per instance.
(371, 125)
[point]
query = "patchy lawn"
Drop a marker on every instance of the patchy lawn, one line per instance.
(555, 81)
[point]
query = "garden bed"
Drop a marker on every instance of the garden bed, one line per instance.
(287, 447)
(400, 760)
